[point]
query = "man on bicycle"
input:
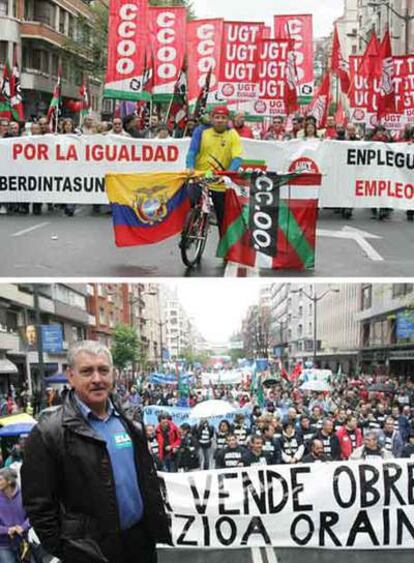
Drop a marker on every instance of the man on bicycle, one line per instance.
(217, 148)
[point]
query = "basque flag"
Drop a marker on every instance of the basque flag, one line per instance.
(147, 208)
(275, 227)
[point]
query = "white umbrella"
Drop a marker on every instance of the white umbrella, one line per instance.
(213, 407)
(315, 385)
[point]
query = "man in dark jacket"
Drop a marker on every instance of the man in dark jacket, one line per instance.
(89, 483)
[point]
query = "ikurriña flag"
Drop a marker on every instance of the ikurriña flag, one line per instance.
(16, 100)
(147, 208)
(5, 101)
(273, 227)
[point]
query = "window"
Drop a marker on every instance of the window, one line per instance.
(62, 16)
(55, 65)
(366, 297)
(3, 51)
(102, 319)
(401, 289)
(4, 8)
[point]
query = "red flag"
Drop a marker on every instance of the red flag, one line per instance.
(201, 103)
(5, 102)
(296, 372)
(320, 104)
(339, 65)
(15, 91)
(386, 98)
(340, 115)
(178, 113)
(291, 81)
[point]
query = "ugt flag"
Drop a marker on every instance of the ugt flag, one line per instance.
(147, 208)
(275, 227)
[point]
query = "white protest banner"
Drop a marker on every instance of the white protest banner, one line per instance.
(181, 415)
(222, 378)
(338, 505)
(71, 169)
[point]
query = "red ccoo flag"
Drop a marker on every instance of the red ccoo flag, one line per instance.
(339, 65)
(386, 98)
(320, 104)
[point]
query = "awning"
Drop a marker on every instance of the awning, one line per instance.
(7, 367)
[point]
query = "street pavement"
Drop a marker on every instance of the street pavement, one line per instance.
(270, 555)
(83, 246)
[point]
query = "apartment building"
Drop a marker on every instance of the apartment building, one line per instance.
(40, 30)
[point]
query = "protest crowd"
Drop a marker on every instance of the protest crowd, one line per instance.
(157, 126)
(366, 417)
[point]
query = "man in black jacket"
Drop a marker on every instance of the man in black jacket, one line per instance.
(89, 483)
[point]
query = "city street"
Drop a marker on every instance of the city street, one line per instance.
(269, 555)
(56, 245)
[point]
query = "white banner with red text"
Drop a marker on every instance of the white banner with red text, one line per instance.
(71, 169)
(338, 505)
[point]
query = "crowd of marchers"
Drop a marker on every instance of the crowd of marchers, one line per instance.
(157, 127)
(349, 423)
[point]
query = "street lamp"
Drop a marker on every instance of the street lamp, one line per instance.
(406, 18)
(315, 300)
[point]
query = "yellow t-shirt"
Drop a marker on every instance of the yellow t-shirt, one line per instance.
(217, 151)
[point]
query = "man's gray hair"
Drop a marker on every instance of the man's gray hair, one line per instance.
(9, 475)
(371, 434)
(89, 347)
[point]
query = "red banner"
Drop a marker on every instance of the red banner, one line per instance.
(364, 98)
(299, 28)
(239, 60)
(273, 57)
(126, 46)
(167, 28)
(203, 51)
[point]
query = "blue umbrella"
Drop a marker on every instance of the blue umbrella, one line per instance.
(16, 429)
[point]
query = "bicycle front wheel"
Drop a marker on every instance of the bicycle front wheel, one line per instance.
(194, 237)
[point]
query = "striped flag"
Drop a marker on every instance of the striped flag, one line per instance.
(5, 98)
(85, 99)
(272, 231)
(15, 92)
(55, 106)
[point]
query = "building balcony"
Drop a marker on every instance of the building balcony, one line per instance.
(9, 29)
(41, 30)
(9, 341)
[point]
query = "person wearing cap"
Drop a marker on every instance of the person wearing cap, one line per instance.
(89, 483)
(217, 148)
(239, 125)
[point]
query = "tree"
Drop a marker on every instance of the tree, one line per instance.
(89, 48)
(90, 44)
(186, 3)
(125, 348)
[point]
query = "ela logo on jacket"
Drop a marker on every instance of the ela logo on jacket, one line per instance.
(122, 440)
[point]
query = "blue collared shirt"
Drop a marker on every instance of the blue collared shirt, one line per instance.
(121, 453)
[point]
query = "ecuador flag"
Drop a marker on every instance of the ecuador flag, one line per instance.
(147, 208)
